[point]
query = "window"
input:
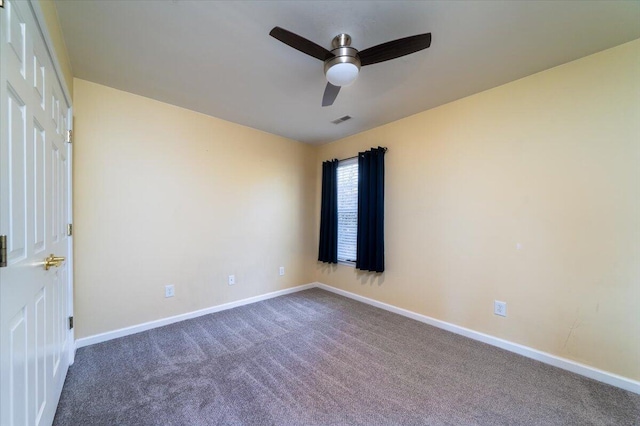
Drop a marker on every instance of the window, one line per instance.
(347, 210)
(352, 211)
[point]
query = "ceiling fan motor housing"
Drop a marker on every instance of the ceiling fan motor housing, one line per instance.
(341, 40)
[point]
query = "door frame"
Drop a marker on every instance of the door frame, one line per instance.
(37, 11)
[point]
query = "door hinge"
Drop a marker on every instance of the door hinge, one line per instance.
(69, 229)
(3, 251)
(69, 136)
(70, 323)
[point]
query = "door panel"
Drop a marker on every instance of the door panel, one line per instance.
(54, 157)
(39, 184)
(34, 212)
(38, 79)
(17, 38)
(17, 247)
(18, 368)
(56, 330)
(40, 355)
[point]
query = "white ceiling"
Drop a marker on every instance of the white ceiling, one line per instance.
(217, 57)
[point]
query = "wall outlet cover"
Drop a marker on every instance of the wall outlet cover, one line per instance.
(232, 279)
(500, 308)
(169, 290)
(282, 270)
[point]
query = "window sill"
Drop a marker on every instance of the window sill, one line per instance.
(347, 263)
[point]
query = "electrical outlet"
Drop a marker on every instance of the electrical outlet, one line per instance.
(282, 270)
(500, 308)
(232, 279)
(169, 291)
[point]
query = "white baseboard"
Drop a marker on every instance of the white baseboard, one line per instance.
(547, 358)
(103, 337)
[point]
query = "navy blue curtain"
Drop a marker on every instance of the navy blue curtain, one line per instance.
(370, 249)
(328, 250)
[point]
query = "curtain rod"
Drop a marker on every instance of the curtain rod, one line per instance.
(356, 156)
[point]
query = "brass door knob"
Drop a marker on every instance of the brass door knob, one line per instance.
(52, 261)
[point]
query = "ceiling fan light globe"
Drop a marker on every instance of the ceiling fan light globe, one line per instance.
(342, 74)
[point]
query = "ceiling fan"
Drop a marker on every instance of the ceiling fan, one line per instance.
(342, 64)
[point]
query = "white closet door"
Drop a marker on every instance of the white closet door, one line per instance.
(34, 212)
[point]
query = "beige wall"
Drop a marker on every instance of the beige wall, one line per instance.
(164, 195)
(551, 162)
(55, 32)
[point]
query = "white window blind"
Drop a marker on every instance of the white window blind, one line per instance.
(347, 209)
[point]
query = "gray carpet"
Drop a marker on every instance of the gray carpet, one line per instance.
(315, 358)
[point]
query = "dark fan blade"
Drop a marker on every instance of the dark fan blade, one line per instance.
(394, 49)
(330, 94)
(300, 43)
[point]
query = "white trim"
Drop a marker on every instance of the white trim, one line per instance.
(70, 253)
(103, 337)
(547, 358)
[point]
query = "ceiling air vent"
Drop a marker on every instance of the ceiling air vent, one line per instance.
(341, 119)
